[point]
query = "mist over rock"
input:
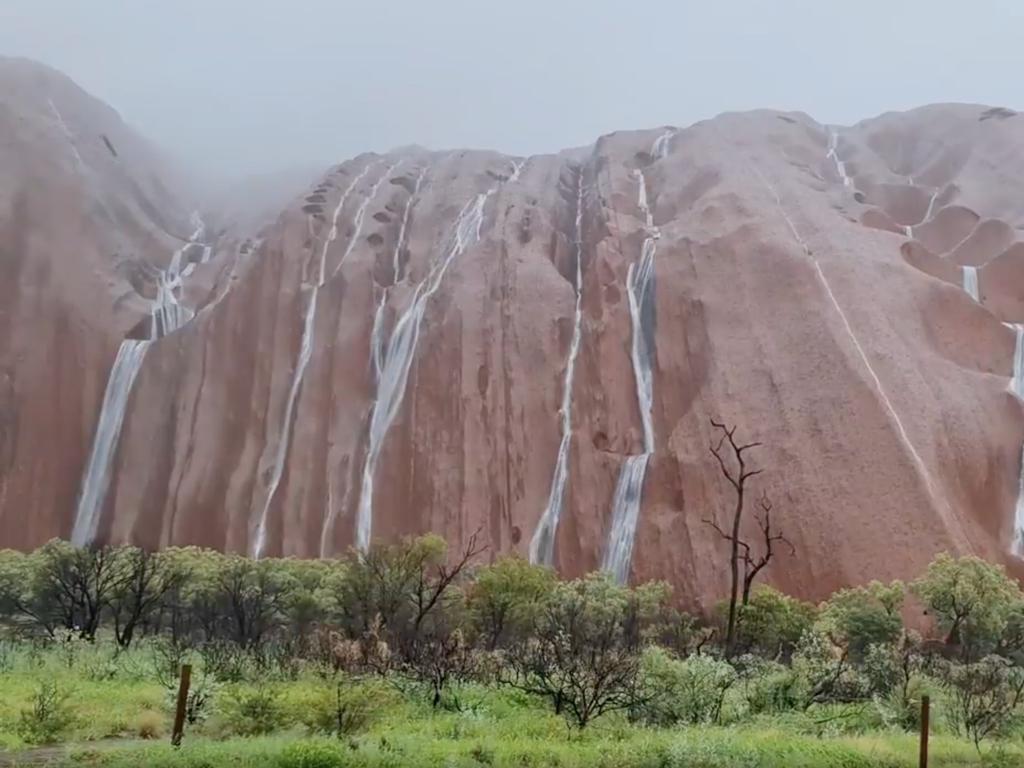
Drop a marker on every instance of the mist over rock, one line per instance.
(464, 341)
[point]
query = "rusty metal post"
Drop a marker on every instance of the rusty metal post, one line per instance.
(179, 713)
(923, 760)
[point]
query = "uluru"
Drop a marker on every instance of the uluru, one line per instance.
(530, 348)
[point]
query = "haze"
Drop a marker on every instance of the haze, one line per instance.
(237, 87)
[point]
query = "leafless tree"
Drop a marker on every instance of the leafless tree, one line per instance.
(733, 462)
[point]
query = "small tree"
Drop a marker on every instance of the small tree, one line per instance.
(504, 598)
(71, 587)
(732, 461)
(146, 579)
(582, 653)
(972, 601)
(401, 588)
(984, 695)
(771, 623)
(859, 617)
(683, 691)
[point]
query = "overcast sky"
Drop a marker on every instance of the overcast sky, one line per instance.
(244, 86)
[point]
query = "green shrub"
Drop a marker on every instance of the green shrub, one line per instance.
(682, 691)
(770, 687)
(254, 711)
(860, 617)
(772, 623)
(48, 718)
(314, 754)
(347, 707)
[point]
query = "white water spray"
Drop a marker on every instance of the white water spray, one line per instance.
(971, 282)
(629, 489)
(542, 546)
(397, 360)
(305, 353)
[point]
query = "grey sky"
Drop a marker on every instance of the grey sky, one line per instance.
(256, 85)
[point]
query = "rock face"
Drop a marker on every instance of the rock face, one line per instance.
(390, 356)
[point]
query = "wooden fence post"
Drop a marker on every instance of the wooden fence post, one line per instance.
(179, 713)
(923, 760)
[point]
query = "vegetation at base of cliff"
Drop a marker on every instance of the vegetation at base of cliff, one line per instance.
(413, 655)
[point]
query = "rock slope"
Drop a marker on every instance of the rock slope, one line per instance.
(530, 348)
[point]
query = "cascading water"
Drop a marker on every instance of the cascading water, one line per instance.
(167, 316)
(629, 489)
(909, 230)
(833, 154)
(397, 360)
(360, 215)
(1017, 382)
(663, 144)
(97, 473)
(377, 334)
(1017, 387)
(306, 352)
(1017, 547)
(67, 133)
(542, 546)
(971, 282)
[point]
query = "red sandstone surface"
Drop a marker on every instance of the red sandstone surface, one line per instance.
(786, 301)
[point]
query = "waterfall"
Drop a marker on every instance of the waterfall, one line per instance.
(663, 144)
(397, 360)
(357, 220)
(629, 490)
(1017, 387)
(971, 282)
(931, 206)
(377, 334)
(97, 474)
(67, 133)
(166, 316)
(1017, 382)
(626, 503)
(305, 353)
(542, 546)
(909, 230)
(833, 154)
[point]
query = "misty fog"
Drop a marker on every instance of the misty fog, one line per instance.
(235, 87)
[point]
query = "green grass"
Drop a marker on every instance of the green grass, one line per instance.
(115, 703)
(689, 748)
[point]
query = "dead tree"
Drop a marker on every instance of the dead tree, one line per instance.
(738, 474)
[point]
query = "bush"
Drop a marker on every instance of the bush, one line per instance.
(49, 716)
(985, 696)
(972, 601)
(770, 687)
(675, 691)
(347, 708)
(772, 623)
(314, 754)
(254, 711)
(860, 617)
(149, 725)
